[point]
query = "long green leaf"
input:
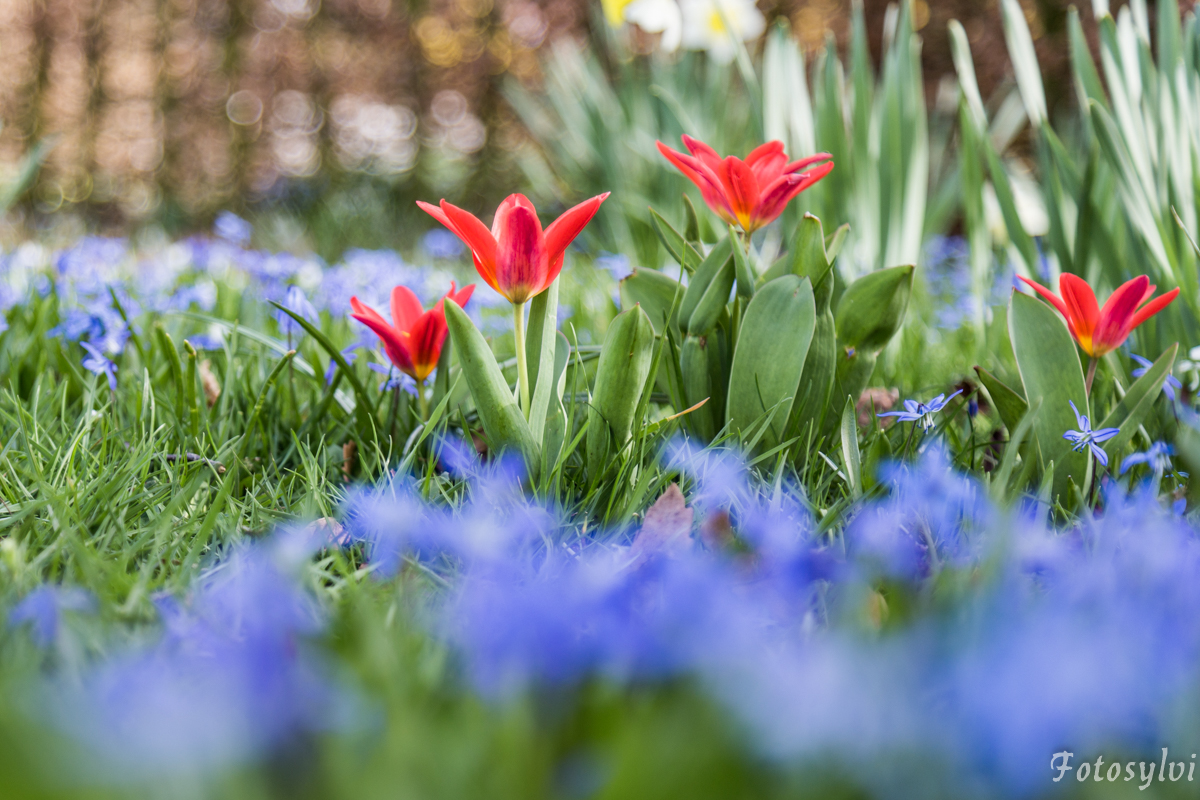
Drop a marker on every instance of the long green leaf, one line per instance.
(499, 413)
(1052, 375)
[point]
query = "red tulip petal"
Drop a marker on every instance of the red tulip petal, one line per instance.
(804, 163)
(513, 201)
(710, 186)
(1081, 303)
(564, 229)
(775, 198)
(813, 175)
(521, 262)
(425, 342)
(741, 187)
(463, 295)
(707, 156)
(1153, 307)
(393, 342)
(436, 213)
(768, 150)
(1050, 297)
(359, 309)
(406, 308)
(1117, 315)
(475, 235)
(767, 161)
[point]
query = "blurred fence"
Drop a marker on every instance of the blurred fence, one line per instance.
(179, 107)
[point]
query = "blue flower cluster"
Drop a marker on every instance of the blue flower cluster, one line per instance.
(104, 285)
(936, 630)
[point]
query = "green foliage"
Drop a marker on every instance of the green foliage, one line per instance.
(621, 377)
(1052, 376)
(495, 403)
(769, 359)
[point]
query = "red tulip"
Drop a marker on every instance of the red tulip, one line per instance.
(1102, 330)
(750, 193)
(516, 257)
(414, 341)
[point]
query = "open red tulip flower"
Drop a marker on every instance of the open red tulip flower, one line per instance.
(516, 257)
(1101, 330)
(413, 340)
(750, 193)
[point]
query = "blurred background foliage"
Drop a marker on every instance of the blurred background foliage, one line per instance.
(327, 118)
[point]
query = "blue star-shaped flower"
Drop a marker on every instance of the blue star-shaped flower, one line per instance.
(97, 363)
(1086, 437)
(1158, 458)
(1170, 383)
(921, 412)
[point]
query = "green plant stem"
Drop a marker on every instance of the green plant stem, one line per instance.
(422, 401)
(1091, 375)
(522, 366)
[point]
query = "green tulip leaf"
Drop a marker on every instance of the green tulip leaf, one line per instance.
(1008, 402)
(769, 359)
(817, 383)
(621, 376)
(499, 413)
(871, 310)
(697, 385)
(1052, 375)
(809, 259)
(741, 267)
(659, 296)
(684, 254)
(539, 352)
(851, 458)
(709, 272)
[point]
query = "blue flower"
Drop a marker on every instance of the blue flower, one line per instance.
(1170, 383)
(921, 412)
(231, 678)
(394, 379)
(617, 265)
(347, 354)
(233, 229)
(441, 243)
(1158, 458)
(1086, 437)
(206, 341)
(296, 301)
(97, 363)
(43, 607)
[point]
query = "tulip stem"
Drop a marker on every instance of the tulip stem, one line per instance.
(422, 400)
(522, 366)
(1091, 375)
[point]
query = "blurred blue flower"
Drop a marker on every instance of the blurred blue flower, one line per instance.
(230, 679)
(394, 379)
(295, 300)
(206, 341)
(1085, 437)
(42, 609)
(921, 412)
(1170, 383)
(1158, 458)
(441, 243)
(233, 229)
(97, 363)
(347, 354)
(615, 264)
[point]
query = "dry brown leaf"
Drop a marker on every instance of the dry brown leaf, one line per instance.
(212, 386)
(667, 527)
